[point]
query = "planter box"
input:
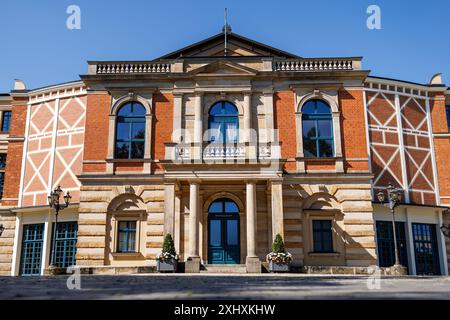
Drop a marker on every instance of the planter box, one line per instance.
(279, 267)
(167, 265)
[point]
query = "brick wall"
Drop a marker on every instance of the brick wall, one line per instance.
(441, 144)
(353, 130)
(15, 152)
(97, 131)
(284, 114)
(162, 125)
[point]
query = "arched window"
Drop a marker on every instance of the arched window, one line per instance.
(317, 129)
(130, 131)
(223, 123)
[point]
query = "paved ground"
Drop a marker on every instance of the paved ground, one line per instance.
(224, 287)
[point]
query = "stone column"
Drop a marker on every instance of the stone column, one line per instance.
(247, 116)
(169, 208)
(277, 208)
(251, 143)
(111, 142)
(338, 143)
(252, 262)
(148, 142)
(198, 126)
(193, 261)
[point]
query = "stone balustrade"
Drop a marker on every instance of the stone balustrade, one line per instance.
(325, 64)
(224, 151)
(132, 68)
(185, 151)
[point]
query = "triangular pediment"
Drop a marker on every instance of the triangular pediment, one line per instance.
(237, 46)
(223, 68)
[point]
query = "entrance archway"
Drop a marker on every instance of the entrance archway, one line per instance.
(223, 232)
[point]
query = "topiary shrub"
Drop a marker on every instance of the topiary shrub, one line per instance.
(168, 251)
(278, 254)
(278, 244)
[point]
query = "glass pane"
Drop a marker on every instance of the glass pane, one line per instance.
(215, 232)
(216, 109)
(122, 241)
(122, 150)
(216, 207)
(132, 225)
(310, 148)
(137, 150)
(137, 109)
(122, 225)
(125, 110)
(232, 232)
(308, 107)
(325, 128)
(325, 148)
(138, 130)
(230, 109)
(123, 131)
(231, 207)
(215, 132)
(309, 129)
(133, 109)
(326, 224)
(327, 242)
(322, 107)
(6, 121)
(131, 241)
(231, 132)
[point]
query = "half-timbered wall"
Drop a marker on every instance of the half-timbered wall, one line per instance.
(54, 144)
(400, 137)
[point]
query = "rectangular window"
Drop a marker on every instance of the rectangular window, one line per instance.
(447, 110)
(32, 243)
(385, 243)
(66, 244)
(322, 236)
(2, 181)
(127, 236)
(426, 249)
(6, 121)
(2, 160)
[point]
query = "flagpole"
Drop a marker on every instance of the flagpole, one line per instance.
(225, 32)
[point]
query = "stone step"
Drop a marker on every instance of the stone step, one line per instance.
(223, 268)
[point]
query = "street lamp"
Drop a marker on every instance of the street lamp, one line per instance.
(394, 198)
(53, 202)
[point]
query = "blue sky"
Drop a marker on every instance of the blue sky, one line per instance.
(36, 46)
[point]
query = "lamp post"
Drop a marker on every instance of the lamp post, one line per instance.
(394, 197)
(53, 202)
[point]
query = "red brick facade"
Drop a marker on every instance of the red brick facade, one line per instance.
(97, 131)
(15, 152)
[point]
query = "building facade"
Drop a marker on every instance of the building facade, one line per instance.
(224, 145)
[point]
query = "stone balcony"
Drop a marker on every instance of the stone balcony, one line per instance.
(214, 152)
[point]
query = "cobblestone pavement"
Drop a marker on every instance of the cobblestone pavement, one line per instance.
(224, 287)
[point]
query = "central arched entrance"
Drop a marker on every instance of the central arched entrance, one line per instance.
(223, 232)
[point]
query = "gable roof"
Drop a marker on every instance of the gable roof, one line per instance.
(238, 46)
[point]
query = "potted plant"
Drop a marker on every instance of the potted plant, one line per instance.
(167, 260)
(279, 260)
